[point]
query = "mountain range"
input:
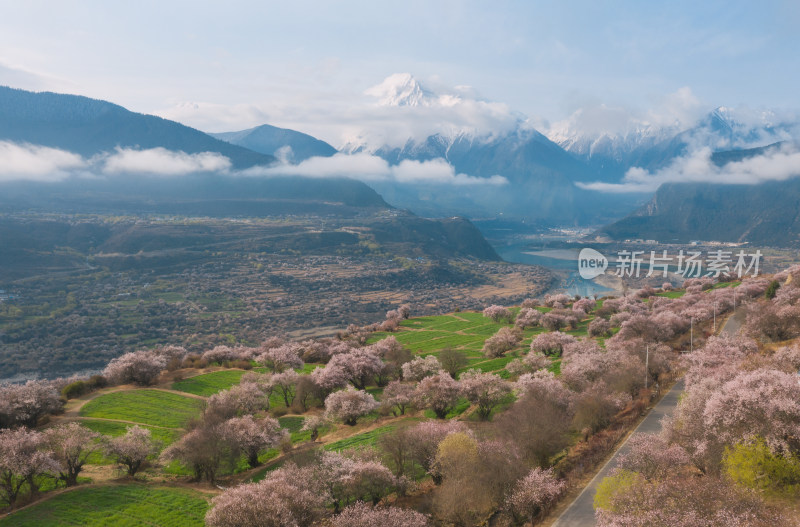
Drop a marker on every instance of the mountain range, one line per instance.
(762, 214)
(97, 129)
(651, 147)
(514, 173)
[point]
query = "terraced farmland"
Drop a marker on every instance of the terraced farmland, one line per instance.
(208, 384)
(123, 505)
(465, 331)
(115, 428)
(145, 406)
(360, 440)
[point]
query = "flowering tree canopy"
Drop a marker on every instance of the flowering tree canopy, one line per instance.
(284, 357)
(359, 366)
(348, 405)
(250, 436)
(498, 313)
(550, 343)
(24, 404)
(528, 318)
(438, 392)
(398, 395)
(504, 340)
(362, 515)
(287, 497)
(486, 390)
(71, 444)
(132, 449)
(421, 367)
(139, 367)
(22, 459)
(535, 493)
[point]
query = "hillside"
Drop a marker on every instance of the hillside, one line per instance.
(765, 214)
(94, 128)
(509, 393)
(762, 214)
(89, 127)
(283, 143)
(197, 195)
(85, 288)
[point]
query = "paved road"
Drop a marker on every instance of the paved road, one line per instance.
(733, 323)
(580, 513)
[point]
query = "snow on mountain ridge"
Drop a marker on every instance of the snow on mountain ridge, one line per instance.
(589, 136)
(402, 89)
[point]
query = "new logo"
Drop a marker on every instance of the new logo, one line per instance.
(591, 263)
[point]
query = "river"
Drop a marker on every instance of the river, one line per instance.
(563, 262)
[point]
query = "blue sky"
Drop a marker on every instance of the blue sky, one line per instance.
(224, 66)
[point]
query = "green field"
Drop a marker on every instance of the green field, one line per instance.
(293, 423)
(148, 407)
(115, 428)
(208, 384)
(360, 440)
(118, 505)
(465, 331)
(672, 294)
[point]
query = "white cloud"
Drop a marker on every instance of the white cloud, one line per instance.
(41, 163)
(390, 113)
(676, 111)
(776, 164)
(679, 109)
(163, 162)
(36, 163)
(366, 167)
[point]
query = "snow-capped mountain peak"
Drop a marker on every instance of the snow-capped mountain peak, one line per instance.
(401, 89)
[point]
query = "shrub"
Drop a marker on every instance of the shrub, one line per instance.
(772, 289)
(75, 389)
(96, 382)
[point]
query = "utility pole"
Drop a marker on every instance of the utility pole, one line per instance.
(646, 365)
(715, 316)
(691, 334)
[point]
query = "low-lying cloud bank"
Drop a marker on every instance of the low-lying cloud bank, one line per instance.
(37, 163)
(369, 168)
(777, 164)
(163, 162)
(26, 162)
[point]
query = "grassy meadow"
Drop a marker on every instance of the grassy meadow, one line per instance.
(118, 505)
(145, 406)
